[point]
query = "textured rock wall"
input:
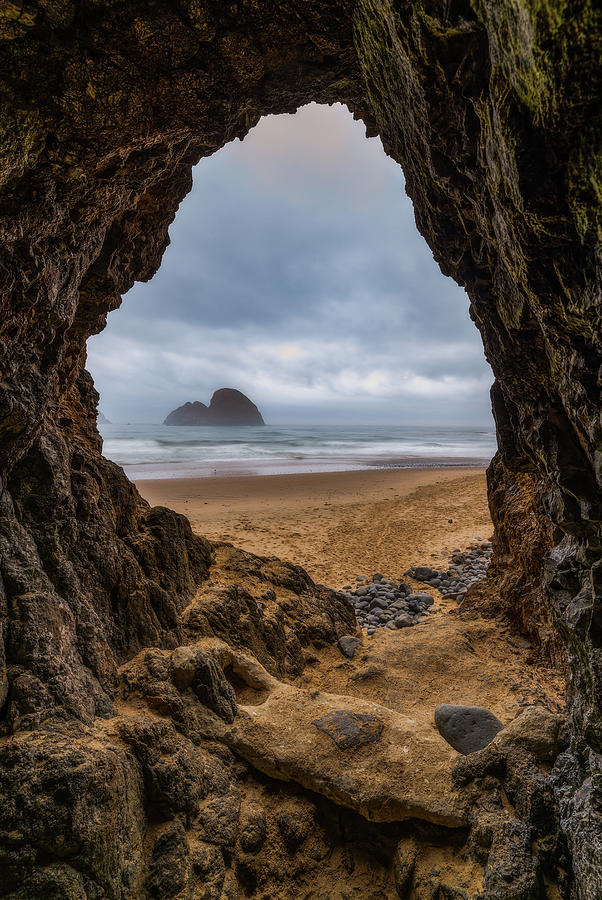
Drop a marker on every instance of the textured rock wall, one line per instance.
(492, 109)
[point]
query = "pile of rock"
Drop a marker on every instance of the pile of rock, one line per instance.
(467, 568)
(380, 603)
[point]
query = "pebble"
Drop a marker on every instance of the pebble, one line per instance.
(467, 567)
(385, 603)
(381, 602)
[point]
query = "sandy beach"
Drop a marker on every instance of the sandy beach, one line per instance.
(344, 524)
(337, 525)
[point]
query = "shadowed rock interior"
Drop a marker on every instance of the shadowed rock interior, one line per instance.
(117, 781)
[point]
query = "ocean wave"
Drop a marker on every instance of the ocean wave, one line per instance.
(148, 444)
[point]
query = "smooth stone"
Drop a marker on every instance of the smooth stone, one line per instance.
(426, 599)
(379, 602)
(466, 728)
(423, 573)
(348, 644)
(403, 621)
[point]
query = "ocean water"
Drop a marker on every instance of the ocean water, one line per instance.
(163, 451)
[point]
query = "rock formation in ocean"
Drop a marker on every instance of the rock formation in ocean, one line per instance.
(190, 413)
(122, 772)
(227, 407)
(101, 419)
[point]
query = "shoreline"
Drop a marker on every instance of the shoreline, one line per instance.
(234, 468)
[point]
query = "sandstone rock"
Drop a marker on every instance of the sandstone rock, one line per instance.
(403, 867)
(3, 673)
(466, 728)
(293, 829)
(253, 833)
(168, 869)
(366, 672)
(195, 669)
(385, 780)
(535, 730)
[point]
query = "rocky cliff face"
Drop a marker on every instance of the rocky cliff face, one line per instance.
(227, 407)
(493, 111)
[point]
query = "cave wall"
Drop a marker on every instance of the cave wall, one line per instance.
(492, 109)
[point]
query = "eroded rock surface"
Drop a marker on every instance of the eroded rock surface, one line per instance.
(493, 112)
(356, 753)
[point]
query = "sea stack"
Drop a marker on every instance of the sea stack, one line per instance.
(228, 407)
(188, 414)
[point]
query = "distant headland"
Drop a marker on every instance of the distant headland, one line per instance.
(227, 407)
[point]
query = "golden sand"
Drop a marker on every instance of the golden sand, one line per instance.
(337, 524)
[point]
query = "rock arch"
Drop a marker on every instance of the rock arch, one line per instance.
(493, 112)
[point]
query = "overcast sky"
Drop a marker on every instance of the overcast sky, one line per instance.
(296, 274)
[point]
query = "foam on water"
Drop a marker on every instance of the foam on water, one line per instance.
(162, 451)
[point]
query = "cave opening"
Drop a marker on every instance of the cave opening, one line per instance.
(115, 779)
(296, 273)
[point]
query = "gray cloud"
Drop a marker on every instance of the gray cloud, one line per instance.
(296, 274)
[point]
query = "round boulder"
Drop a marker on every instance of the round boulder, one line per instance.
(466, 728)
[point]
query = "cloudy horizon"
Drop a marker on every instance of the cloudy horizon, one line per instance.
(296, 274)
